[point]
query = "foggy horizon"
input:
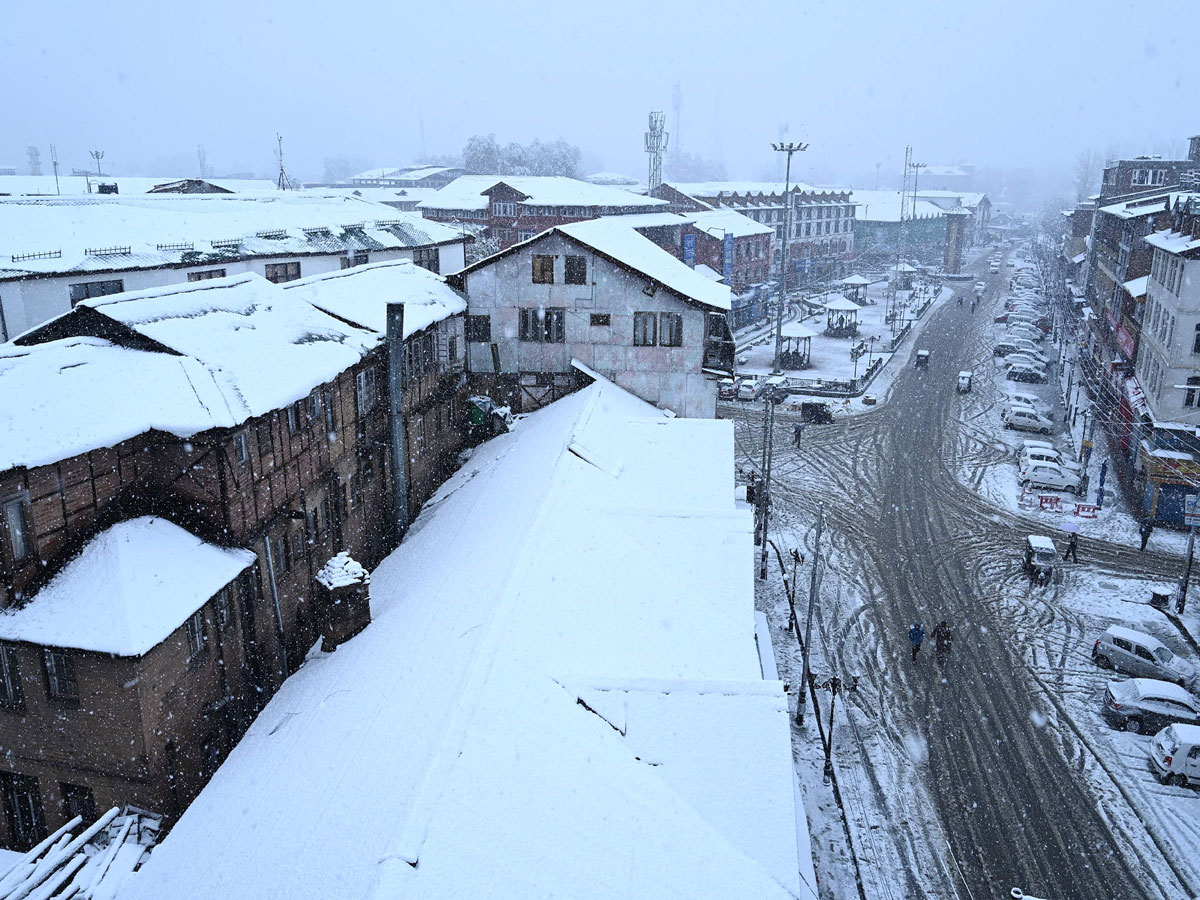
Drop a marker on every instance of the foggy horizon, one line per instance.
(1028, 88)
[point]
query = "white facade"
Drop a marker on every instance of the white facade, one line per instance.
(669, 377)
(1169, 351)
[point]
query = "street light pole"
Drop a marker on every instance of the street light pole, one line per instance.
(812, 597)
(769, 399)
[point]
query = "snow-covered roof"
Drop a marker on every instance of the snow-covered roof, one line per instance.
(361, 295)
(264, 347)
(616, 240)
(387, 195)
(657, 219)
(742, 188)
(1079, 258)
(81, 185)
(838, 303)
(99, 234)
(131, 586)
(517, 723)
(856, 280)
(611, 178)
(466, 192)
(884, 206)
(1173, 241)
(1144, 206)
(1040, 542)
(86, 393)
(709, 272)
(1136, 287)
(798, 330)
(720, 222)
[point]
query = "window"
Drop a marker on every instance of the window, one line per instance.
(223, 606)
(241, 447)
(196, 637)
(365, 393)
(427, 258)
(17, 527)
(295, 546)
(358, 259)
(60, 675)
(88, 289)
(601, 319)
(23, 809)
(313, 410)
(575, 270)
(507, 210)
(526, 235)
(10, 678)
(293, 418)
(420, 442)
(670, 329)
(279, 555)
(206, 275)
(330, 422)
(1148, 176)
(277, 273)
(1196, 340)
(78, 801)
(544, 325)
(479, 329)
(543, 269)
(645, 329)
(452, 348)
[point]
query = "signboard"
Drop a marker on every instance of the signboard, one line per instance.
(727, 262)
(689, 250)
(1191, 512)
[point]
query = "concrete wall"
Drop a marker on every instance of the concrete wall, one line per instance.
(669, 377)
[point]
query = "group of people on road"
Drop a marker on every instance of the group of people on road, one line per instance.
(942, 639)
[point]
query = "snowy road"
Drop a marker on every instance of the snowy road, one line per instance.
(996, 756)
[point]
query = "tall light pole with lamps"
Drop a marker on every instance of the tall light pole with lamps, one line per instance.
(764, 498)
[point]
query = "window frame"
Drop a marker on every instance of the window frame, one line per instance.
(104, 288)
(281, 273)
(542, 262)
(575, 269)
(12, 696)
(205, 275)
(15, 521)
(195, 629)
(645, 329)
(241, 446)
(366, 391)
(477, 325)
(670, 329)
(600, 320)
(62, 682)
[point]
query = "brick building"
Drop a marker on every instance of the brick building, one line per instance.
(232, 417)
(516, 208)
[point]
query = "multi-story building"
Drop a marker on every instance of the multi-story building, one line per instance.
(516, 208)
(821, 244)
(56, 252)
(734, 245)
(974, 202)
(186, 461)
(1128, 178)
(1159, 414)
(881, 234)
(595, 296)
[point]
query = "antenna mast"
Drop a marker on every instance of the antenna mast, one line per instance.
(284, 183)
(54, 162)
(656, 145)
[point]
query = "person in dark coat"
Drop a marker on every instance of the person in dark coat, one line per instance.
(1072, 551)
(916, 636)
(1145, 530)
(942, 638)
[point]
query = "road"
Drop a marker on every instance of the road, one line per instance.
(1006, 789)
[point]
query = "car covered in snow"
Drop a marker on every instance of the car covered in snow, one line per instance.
(1048, 475)
(1031, 455)
(1145, 704)
(1141, 654)
(726, 389)
(1026, 374)
(1025, 358)
(751, 388)
(1175, 755)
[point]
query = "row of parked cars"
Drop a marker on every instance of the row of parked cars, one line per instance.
(1158, 699)
(1026, 323)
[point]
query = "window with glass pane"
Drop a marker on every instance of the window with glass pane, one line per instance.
(575, 270)
(670, 331)
(10, 678)
(543, 269)
(17, 528)
(60, 675)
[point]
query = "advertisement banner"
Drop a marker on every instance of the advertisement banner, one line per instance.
(727, 263)
(689, 250)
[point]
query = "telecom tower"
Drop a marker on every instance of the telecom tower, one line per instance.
(284, 183)
(656, 146)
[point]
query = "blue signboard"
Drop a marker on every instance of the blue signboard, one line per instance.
(727, 263)
(689, 250)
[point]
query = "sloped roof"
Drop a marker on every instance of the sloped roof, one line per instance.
(720, 222)
(84, 186)
(466, 192)
(131, 586)
(361, 295)
(884, 206)
(95, 234)
(516, 723)
(838, 303)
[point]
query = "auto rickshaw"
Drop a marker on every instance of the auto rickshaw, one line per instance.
(964, 381)
(1040, 559)
(922, 361)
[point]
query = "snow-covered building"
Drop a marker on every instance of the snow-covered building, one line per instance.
(734, 245)
(515, 208)
(878, 227)
(231, 416)
(55, 252)
(1159, 417)
(822, 239)
(521, 722)
(432, 177)
(600, 293)
(974, 202)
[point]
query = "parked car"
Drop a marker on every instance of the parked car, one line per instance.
(1140, 654)
(1024, 332)
(751, 388)
(1030, 444)
(1026, 374)
(1049, 475)
(1031, 455)
(1025, 418)
(1144, 704)
(726, 389)
(1025, 344)
(1025, 358)
(1175, 754)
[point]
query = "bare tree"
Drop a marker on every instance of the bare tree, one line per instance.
(1088, 166)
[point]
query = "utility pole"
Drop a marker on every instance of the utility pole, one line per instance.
(54, 162)
(97, 155)
(835, 686)
(812, 601)
(764, 499)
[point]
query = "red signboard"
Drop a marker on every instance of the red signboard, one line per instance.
(1125, 339)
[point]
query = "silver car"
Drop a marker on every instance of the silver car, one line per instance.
(1140, 654)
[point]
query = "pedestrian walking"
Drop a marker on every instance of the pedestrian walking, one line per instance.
(1145, 530)
(942, 639)
(916, 636)
(797, 432)
(1072, 551)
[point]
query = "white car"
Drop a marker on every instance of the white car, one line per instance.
(1027, 345)
(1049, 475)
(1029, 333)
(1025, 418)
(1026, 373)
(1025, 399)
(1025, 358)
(1031, 455)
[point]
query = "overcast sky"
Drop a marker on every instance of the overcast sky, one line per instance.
(1024, 83)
